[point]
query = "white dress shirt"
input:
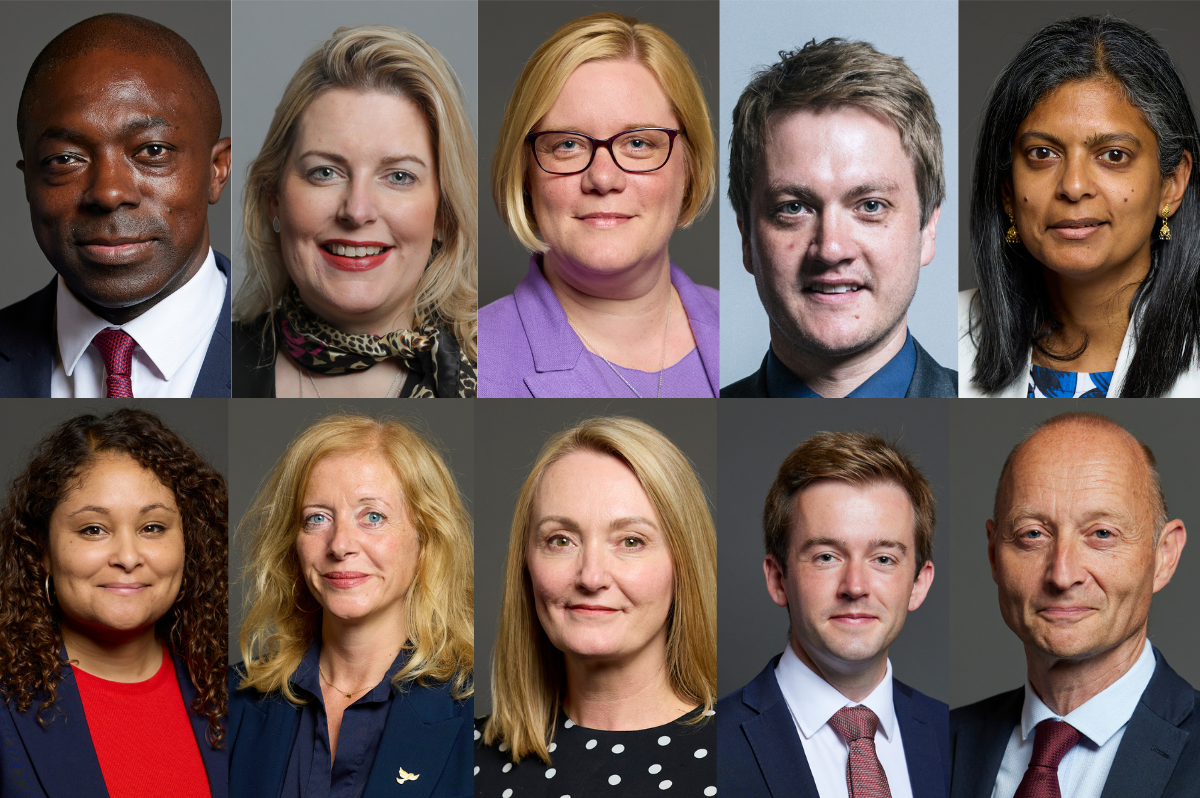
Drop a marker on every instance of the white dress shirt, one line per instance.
(172, 339)
(1102, 720)
(813, 701)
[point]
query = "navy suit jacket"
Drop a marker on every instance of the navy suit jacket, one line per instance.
(59, 760)
(427, 733)
(1157, 757)
(759, 753)
(28, 347)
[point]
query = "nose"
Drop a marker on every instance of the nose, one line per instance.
(1076, 182)
(834, 240)
(603, 175)
(126, 553)
(593, 568)
(1065, 568)
(358, 204)
(854, 581)
(113, 184)
(344, 541)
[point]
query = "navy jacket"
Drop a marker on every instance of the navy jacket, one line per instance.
(59, 761)
(759, 753)
(28, 345)
(1156, 759)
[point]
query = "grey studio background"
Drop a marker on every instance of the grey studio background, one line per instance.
(987, 657)
(29, 27)
(991, 34)
(260, 431)
(751, 629)
(925, 34)
(515, 29)
(272, 37)
(511, 432)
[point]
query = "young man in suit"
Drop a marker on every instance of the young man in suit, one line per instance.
(849, 526)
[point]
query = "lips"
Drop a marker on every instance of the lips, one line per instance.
(597, 610)
(1065, 613)
(344, 580)
(604, 220)
(853, 618)
(1077, 229)
(354, 256)
(117, 251)
(834, 291)
(125, 588)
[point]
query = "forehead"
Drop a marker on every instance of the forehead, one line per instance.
(364, 124)
(593, 484)
(108, 468)
(855, 512)
(1081, 109)
(352, 471)
(602, 98)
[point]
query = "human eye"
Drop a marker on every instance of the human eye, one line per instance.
(1104, 534)
(1041, 153)
(92, 531)
(154, 529)
(824, 558)
(61, 160)
(632, 542)
(885, 559)
(322, 174)
(373, 519)
(401, 178)
(558, 542)
(154, 151)
(1115, 157)
(316, 520)
(793, 208)
(873, 206)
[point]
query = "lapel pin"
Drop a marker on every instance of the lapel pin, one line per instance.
(406, 776)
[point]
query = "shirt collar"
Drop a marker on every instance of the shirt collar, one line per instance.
(307, 676)
(890, 382)
(813, 701)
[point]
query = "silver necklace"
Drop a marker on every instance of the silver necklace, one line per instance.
(662, 366)
(304, 371)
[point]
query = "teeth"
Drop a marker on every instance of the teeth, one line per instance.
(834, 289)
(353, 252)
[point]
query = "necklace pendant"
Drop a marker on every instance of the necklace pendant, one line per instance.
(348, 694)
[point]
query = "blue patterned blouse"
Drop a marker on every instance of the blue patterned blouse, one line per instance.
(1047, 383)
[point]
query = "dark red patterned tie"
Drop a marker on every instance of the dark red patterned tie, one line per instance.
(116, 347)
(864, 774)
(1051, 741)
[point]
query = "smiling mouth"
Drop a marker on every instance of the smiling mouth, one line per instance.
(125, 589)
(352, 251)
(825, 288)
(345, 579)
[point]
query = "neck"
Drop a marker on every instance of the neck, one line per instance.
(834, 377)
(625, 696)
(1064, 685)
(358, 655)
(854, 680)
(377, 321)
(590, 287)
(127, 314)
(1094, 310)
(131, 657)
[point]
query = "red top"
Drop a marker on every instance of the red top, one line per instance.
(143, 735)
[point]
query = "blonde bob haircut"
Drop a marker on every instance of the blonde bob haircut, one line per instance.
(528, 673)
(376, 58)
(600, 37)
(283, 618)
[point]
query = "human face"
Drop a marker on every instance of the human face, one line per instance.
(599, 562)
(119, 174)
(357, 547)
(361, 173)
(834, 239)
(116, 550)
(605, 221)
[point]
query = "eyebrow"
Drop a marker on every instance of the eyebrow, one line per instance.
(92, 508)
(341, 159)
(1094, 140)
(616, 523)
(134, 126)
(808, 196)
(877, 543)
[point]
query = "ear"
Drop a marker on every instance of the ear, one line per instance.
(747, 257)
(272, 206)
(991, 536)
(921, 586)
(1176, 184)
(1166, 557)
(773, 571)
(220, 171)
(929, 236)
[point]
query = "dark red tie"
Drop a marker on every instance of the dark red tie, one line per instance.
(1052, 740)
(116, 347)
(864, 773)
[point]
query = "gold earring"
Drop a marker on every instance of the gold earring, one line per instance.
(49, 600)
(1164, 232)
(1012, 236)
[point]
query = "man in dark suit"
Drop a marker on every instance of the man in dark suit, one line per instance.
(849, 526)
(119, 128)
(1079, 543)
(835, 174)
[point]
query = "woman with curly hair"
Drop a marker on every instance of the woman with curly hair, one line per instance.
(113, 589)
(358, 641)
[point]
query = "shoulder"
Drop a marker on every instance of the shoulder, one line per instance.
(974, 716)
(498, 314)
(35, 308)
(931, 380)
(505, 351)
(253, 359)
(922, 703)
(966, 345)
(701, 300)
(751, 387)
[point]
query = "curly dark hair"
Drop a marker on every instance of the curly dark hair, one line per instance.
(195, 626)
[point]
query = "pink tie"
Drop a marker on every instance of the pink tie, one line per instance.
(116, 347)
(864, 773)
(1052, 740)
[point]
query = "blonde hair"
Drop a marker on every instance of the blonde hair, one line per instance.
(528, 673)
(600, 37)
(376, 58)
(283, 618)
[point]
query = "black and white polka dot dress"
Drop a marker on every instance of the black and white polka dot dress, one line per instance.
(671, 760)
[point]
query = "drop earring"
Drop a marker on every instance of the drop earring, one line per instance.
(1012, 236)
(1164, 232)
(275, 224)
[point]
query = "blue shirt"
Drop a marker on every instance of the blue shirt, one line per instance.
(890, 382)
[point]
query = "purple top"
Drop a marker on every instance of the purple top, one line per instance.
(527, 348)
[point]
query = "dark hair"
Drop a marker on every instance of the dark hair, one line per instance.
(1013, 310)
(196, 625)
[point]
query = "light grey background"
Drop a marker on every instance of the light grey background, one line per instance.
(511, 433)
(752, 446)
(925, 34)
(28, 27)
(272, 37)
(987, 658)
(515, 29)
(260, 430)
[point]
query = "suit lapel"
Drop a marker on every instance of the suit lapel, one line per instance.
(216, 761)
(265, 733)
(773, 738)
(920, 745)
(977, 756)
(27, 351)
(215, 378)
(62, 753)
(411, 745)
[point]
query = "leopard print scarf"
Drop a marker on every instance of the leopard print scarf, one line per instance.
(431, 352)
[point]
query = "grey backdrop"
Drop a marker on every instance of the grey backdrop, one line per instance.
(259, 431)
(987, 657)
(752, 445)
(29, 26)
(272, 37)
(515, 29)
(992, 33)
(511, 432)
(925, 34)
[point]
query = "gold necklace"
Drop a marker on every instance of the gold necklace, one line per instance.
(335, 687)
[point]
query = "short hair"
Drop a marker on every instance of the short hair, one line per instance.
(123, 33)
(376, 58)
(1012, 310)
(600, 37)
(283, 619)
(857, 458)
(528, 672)
(835, 74)
(195, 627)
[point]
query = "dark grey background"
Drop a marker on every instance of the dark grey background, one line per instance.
(28, 27)
(987, 657)
(515, 29)
(752, 444)
(259, 431)
(511, 433)
(991, 34)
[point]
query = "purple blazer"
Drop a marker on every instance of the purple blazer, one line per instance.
(527, 348)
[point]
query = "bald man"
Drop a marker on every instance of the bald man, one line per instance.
(119, 127)
(1079, 543)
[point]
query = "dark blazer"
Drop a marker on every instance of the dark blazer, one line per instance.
(28, 341)
(1156, 759)
(427, 733)
(59, 760)
(759, 753)
(930, 381)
